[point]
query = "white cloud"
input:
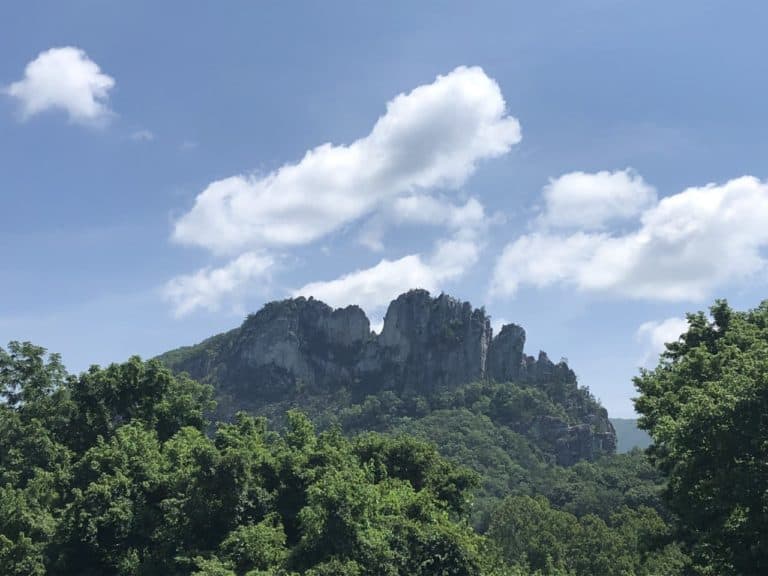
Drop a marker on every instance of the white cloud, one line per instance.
(590, 201)
(372, 233)
(142, 135)
(429, 138)
(377, 325)
(207, 287)
(655, 334)
(374, 288)
(682, 248)
(65, 79)
(424, 210)
(452, 257)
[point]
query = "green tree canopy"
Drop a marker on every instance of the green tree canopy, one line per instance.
(543, 540)
(706, 408)
(118, 472)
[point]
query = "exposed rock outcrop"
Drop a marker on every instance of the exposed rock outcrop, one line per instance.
(431, 343)
(296, 343)
(505, 358)
(301, 346)
(578, 442)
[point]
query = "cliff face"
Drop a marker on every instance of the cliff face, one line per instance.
(431, 343)
(301, 348)
(506, 360)
(300, 343)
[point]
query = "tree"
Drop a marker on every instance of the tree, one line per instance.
(706, 408)
(118, 472)
(533, 535)
(545, 541)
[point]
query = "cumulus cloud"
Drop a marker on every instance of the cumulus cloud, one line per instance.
(64, 79)
(424, 210)
(428, 210)
(429, 141)
(655, 334)
(451, 257)
(431, 137)
(206, 288)
(373, 288)
(591, 201)
(377, 325)
(680, 248)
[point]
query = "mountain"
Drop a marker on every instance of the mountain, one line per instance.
(628, 435)
(432, 352)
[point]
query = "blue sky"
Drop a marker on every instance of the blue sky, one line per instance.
(590, 170)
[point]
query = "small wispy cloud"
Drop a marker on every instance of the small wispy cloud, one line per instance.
(142, 135)
(206, 288)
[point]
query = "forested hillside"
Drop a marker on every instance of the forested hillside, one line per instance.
(113, 473)
(433, 354)
(118, 471)
(436, 372)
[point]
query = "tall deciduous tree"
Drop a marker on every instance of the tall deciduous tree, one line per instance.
(706, 408)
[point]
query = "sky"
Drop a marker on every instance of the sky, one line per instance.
(589, 170)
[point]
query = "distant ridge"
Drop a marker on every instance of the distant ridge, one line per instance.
(629, 435)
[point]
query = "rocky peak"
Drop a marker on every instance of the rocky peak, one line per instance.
(302, 346)
(300, 340)
(505, 356)
(426, 343)
(309, 317)
(436, 341)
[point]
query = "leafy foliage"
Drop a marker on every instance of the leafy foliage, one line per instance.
(537, 537)
(112, 472)
(486, 426)
(118, 471)
(706, 408)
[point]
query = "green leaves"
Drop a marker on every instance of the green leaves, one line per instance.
(117, 471)
(534, 536)
(706, 408)
(146, 391)
(112, 473)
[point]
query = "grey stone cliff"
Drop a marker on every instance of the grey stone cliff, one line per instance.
(299, 346)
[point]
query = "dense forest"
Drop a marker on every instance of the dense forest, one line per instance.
(125, 470)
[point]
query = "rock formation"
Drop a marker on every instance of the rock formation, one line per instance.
(302, 346)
